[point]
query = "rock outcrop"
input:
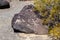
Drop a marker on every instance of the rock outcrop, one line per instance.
(28, 21)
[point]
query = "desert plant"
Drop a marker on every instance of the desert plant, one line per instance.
(50, 12)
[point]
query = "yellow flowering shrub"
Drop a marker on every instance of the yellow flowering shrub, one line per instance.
(50, 11)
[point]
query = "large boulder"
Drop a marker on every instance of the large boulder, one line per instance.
(4, 4)
(28, 21)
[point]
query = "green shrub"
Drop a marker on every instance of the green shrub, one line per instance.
(50, 11)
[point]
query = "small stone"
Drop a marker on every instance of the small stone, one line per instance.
(29, 22)
(4, 4)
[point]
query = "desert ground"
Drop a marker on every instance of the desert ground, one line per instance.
(6, 31)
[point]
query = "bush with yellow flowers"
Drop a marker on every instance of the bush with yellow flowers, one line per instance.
(50, 12)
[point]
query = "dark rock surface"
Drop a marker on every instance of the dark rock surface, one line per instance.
(26, 21)
(6, 31)
(4, 4)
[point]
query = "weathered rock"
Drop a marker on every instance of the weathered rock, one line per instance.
(4, 4)
(27, 21)
(25, 0)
